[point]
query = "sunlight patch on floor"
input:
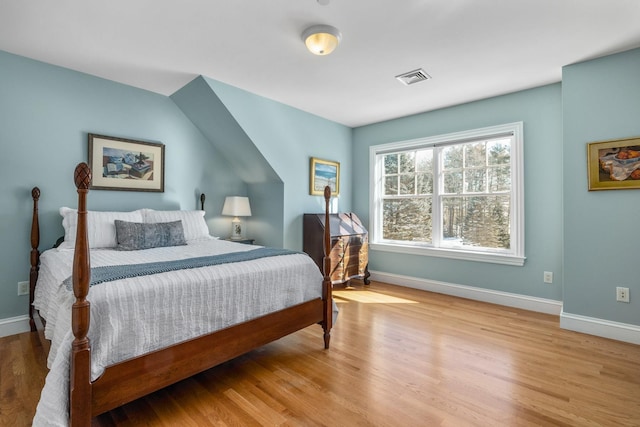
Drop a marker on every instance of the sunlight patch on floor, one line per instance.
(368, 297)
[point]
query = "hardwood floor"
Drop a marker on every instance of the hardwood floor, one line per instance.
(398, 357)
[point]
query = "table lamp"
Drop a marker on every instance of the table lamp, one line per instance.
(236, 206)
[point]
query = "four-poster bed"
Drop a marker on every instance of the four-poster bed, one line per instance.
(137, 376)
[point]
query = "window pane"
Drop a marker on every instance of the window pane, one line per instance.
(477, 221)
(499, 152)
(453, 182)
(424, 160)
(407, 219)
(390, 164)
(452, 212)
(425, 183)
(407, 184)
(452, 157)
(391, 185)
(408, 162)
(475, 181)
(499, 179)
(475, 155)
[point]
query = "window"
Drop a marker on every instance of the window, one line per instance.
(458, 195)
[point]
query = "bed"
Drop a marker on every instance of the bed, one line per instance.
(92, 372)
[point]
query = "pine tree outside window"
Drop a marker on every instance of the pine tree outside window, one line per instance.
(457, 195)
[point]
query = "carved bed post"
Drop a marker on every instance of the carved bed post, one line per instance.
(35, 255)
(202, 197)
(326, 283)
(80, 377)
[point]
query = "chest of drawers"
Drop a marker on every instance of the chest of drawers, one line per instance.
(349, 245)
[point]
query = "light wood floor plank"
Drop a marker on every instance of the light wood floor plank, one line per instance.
(398, 357)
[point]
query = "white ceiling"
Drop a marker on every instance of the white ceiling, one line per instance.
(472, 49)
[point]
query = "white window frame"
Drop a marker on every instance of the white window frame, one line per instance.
(513, 256)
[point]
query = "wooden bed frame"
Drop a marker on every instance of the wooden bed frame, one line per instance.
(131, 379)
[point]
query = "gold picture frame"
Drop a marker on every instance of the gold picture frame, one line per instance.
(614, 164)
(323, 173)
(125, 164)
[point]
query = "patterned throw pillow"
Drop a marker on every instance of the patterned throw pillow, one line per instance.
(195, 227)
(133, 236)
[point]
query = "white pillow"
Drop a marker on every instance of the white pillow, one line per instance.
(193, 223)
(101, 228)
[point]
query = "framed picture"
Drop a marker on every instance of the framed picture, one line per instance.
(125, 164)
(614, 165)
(323, 173)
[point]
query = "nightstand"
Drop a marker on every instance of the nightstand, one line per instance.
(245, 241)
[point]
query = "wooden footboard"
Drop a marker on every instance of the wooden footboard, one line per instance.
(137, 377)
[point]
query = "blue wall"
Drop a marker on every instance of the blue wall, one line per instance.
(601, 101)
(585, 238)
(287, 138)
(202, 105)
(540, 110)
(47, 111)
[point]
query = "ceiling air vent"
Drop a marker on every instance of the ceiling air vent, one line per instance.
(414, 76)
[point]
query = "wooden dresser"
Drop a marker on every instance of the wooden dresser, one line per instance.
(349, 245)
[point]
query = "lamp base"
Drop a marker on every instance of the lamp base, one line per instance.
(236, 229)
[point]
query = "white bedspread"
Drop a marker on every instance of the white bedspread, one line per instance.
(134, 316)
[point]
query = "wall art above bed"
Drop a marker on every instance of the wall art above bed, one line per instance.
(126, 164)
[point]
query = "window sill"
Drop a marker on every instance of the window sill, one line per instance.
(450, 253)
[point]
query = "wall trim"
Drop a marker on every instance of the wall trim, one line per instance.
(525, 302)
(574, 322)
(600, 327)
(14, 325)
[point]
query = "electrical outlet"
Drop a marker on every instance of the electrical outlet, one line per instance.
(622, 294)
(547, 277)
(23, 288)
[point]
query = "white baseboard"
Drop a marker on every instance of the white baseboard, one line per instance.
(508, 299)
(573, 322)
(14, 325)
(600, 327)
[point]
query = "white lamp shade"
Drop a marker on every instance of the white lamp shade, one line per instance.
(236, 206)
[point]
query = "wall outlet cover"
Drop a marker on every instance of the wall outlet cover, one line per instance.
(23, 288)
(622, 294)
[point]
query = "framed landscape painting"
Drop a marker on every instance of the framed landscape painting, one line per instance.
(125, 164)
(323, 173)
(614, 165)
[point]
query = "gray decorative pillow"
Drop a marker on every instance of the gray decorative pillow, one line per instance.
(132, 236)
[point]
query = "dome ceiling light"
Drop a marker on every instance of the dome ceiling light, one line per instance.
(321, 39)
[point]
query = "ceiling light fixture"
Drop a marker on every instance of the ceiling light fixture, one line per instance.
(321, 39)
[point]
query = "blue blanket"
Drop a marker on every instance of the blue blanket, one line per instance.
(116, 272)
